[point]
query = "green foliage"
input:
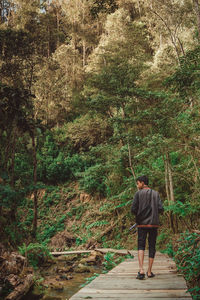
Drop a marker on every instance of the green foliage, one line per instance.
(195, 291)
(52, 196)
(93, 179)
(109, 262)
(169, 250)
(35, 253)
(163, 239)
(105, 207)
(102, 117)
(81, 241)
(183, 209)
(55, 166)
(23, 171)
(187, 257)
(88, 131)
(97, 224)
(77, 211)
(186, 78)
(103, 6)
(8, 195)
(27, 221)
(49, 230)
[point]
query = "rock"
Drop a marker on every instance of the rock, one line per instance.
(69, 259)
(13, 280)
(62, 258)
(65, 277)
(85, 197)
(57, 286)
(53, 284)
(21, 289)
(62, 240)
(15, 274)
(13, 264)
(83, 261)
(95, 258)
(82, 269)
(49, 262)
(92, 243)
(64, 269)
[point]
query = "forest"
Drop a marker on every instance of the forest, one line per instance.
(93, 94)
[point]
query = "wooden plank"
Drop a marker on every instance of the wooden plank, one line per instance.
(120, 297)
(133, 274)
(134, 295)
(129, 284)
(182, 293)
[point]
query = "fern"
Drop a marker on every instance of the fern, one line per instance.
(97, 224)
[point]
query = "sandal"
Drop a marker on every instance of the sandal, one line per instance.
(150, 276)
(140, 276)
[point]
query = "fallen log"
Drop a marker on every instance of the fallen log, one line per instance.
(70, 252)
(105, 250)
(22, 289)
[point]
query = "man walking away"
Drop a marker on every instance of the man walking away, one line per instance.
(146, 206)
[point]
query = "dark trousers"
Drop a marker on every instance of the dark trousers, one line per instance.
(152, 235)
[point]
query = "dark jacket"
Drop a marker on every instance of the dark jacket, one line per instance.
(147, 206)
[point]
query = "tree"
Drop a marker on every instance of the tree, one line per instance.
(197, 11)
(170, 24)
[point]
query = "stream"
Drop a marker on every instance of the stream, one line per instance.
(62, 279)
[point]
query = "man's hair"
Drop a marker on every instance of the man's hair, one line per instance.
(144, 179)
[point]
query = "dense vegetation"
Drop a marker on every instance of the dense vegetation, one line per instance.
(93, 94)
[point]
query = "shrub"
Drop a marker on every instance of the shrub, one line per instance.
(187, 257)
(51, 229)
(93, 179)
(55, 166)
(9, 195)
(35, 253)
(109, 261)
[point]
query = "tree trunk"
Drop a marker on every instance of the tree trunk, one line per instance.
(130, 163)
(84, 53)
(169, 189)
(12, 175)
(139, 8)
(35, 182)
(58, 28)
(173, 36)
(166, 180)
(197, 11)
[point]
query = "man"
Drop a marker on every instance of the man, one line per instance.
(146, 206)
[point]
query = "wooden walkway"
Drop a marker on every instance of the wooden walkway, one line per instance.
(121, 282)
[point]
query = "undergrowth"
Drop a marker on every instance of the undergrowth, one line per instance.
(187, 257)
(35, 253)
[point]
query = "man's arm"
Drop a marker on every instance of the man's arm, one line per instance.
(135, 204)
